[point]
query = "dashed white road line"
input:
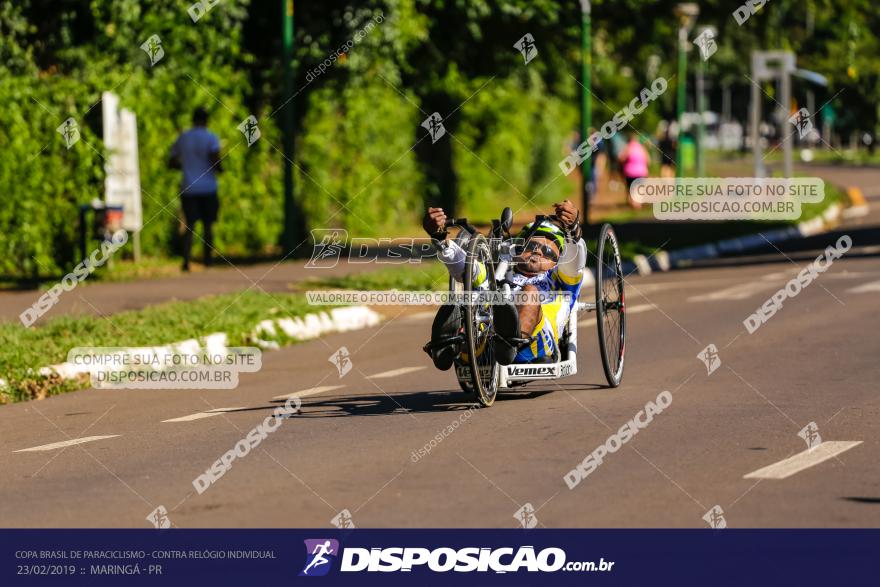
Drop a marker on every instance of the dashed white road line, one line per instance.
(740, 291)
(654, 287)
(865, 288)
(205, 414)
(395, 372)
(803, 460)
(307, 392)
(846, 274)
(419, 316)
(64, 443)
(629, 310)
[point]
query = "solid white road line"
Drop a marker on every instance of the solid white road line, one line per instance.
(865, 288)
(70, 442)
(803, 460)
(307, 392)
(202, 415)
(629, 310)
(395, 372)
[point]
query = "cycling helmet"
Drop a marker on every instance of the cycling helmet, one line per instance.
(546, 229)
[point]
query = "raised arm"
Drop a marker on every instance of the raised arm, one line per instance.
(570, 218)
(174, 155)
(574, 256)
(449, 253)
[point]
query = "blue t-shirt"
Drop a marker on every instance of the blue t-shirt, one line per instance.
(193, 149)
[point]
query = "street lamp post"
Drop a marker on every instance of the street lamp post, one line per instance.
(700, 124)
(288, 237)
(586, 106)
(701, 108)
(687, 14)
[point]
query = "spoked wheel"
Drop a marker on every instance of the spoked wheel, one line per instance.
(479, 277)
(457, 287)
(610, 306)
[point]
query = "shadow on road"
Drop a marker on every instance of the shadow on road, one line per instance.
(869, 500)
(385, 404)
(445, 400)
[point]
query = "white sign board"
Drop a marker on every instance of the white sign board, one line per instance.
(122, 185)
(767, 65)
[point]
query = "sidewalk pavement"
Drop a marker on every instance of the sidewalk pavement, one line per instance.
(104, 299)
(858, 216)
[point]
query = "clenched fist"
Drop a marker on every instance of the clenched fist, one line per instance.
(566, 213)
(434, 222)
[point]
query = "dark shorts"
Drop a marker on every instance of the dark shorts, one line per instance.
(202, 207)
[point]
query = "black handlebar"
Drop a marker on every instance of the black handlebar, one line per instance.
(460, 223)
(497, 226)
(535, 225)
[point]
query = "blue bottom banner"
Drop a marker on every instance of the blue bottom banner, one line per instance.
(438, 557)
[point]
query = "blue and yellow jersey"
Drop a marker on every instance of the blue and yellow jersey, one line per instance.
(554, 312)
(565, 278)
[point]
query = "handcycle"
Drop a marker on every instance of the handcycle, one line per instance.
(476, 369)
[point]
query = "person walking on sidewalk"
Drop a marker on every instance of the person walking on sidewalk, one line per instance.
(666, 144)
(197, 152)
(634, 158)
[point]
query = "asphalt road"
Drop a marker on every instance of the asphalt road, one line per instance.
(352, 447)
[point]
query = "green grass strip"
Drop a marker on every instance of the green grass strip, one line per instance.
(23, 351)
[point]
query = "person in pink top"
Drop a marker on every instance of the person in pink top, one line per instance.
(634, 159)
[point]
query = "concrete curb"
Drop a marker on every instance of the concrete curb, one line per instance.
(680, 258)
(858, 206)
(300, 328)
(314, 325)
(589, 280)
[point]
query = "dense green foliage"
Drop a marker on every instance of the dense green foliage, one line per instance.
(43, 183)
(362, 160)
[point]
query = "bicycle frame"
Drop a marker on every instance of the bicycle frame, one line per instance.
(515, 373)
(522, 373)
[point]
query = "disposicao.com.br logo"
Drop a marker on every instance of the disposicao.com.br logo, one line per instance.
(442, 560)
(320, 554)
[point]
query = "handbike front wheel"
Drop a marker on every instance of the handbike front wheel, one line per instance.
(456, 287)
(479, 276)
(610, 306)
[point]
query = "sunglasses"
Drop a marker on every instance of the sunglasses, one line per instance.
(546, 250)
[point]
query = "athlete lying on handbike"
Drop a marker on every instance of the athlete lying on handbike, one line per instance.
(551, 262)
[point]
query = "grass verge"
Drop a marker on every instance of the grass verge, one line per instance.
(23, 351)
(846, 156)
